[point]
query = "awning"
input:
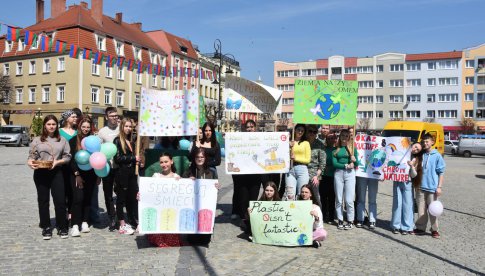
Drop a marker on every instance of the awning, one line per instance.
(452, 128)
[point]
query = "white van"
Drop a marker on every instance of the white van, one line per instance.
(469, 145)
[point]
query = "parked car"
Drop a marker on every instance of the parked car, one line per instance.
(469, 145)
(451, 147)
(14, 135)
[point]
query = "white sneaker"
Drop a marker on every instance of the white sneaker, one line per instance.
(126, 230)
(85, 227)
(75, 231)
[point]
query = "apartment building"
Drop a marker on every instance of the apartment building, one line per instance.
(473, 85)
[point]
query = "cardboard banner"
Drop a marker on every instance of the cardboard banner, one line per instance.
(285, 223)
(257, 152)
(383, 158)
(332, 102)
(246, 96)
(169, 113)
(168, 205)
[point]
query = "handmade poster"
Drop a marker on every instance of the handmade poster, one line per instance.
(168, 205)
(202, 118)
(169, 113)
(331, 102)
(247, 96)
(285, 223)
(383, 158)
(257, 152)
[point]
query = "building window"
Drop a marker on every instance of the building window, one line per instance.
(413, 98)
(468, 113)
(94, 94)
(137, 53)
(320, 72)
(395, 114)
(364, 114)
(431, 98)
(447, 114)
(121, 74)
(379, 68)
(447, 98)
(470, 63)
(6, 69)
(61, 93)
(468, 97)
(286, 115)
(448, 81)
(109, 71)
(94, 68)
(430, 114)
(120, 48)
(286, 87)
(119, 98)
(21, 45)
(480, 102)
(396, 67)
(366, 84)
(8, 46)
(364, 99)
(448, 64)
(379, 114)
(396, 98)
(379, 99)
(379, 84)
(431, 65)
(413, 67)
(413, 82)
(413, 114)
(396, 83)
(137, 100)
(154, 80)
(19, 70)
(185, 85)
(32, 67)
(431, 82)
(108, 97)
(31, 94)
(46, 94)
(61, 64)
(293, 73)
(469, 80)
(176, 86)
(19, 95)
(163, 83)
(308, 72)
(101, 42)
(47, 66)
(288, 101)
(138, 78)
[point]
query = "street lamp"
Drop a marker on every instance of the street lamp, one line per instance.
(87, 111)
(218, 68)
(38, 114)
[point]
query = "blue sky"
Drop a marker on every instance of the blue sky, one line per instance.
(260, 32)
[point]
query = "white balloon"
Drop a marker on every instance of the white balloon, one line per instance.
(435, 208)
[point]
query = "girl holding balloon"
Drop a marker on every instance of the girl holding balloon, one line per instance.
(126, 179)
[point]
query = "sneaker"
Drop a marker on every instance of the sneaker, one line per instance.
(411, 232)
(250, 238)
(435, 234)
(359, 224)
(75, 231)
(395, 231)
(63, 233)
(126, 230)
(372, 225)
(404, 233)
(316, 244)
(349, 226)
(47, 233)
(340, 225)
(85, 227)
(234, 216)
(419, 232)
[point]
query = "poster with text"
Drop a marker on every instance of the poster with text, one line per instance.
(383, 158)
(257, 152)
(169, 113)
(285, 223)
(246, 96)
(168, 205)
(332, 102)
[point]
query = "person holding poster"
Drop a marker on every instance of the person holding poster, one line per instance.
(211, 147)
(319, 233)
(317, 161)
(126, 178)
(345, 164)
(300, 154)
(402, 199)
(327, 189)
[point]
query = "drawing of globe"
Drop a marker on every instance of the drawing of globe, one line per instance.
(377, 158)
(329, 109)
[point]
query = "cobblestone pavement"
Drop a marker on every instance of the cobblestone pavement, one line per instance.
(460, 251)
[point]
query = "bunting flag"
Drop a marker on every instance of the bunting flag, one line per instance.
(60, 46)
(139, 67)
(98, 58)
(120, 62)
(74, 52)
(45, 44)
(29, 37)
(150, 69)
(130, 65)
(13, 34)
(165, 71)
(202, 74)
(110, 61)
(174, 71)
(156, 69)
(87, 54)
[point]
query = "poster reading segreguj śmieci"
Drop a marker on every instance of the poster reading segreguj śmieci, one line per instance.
(332, 102)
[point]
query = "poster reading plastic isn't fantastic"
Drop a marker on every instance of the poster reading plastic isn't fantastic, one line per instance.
(285, 223)
(332, 102)
(177, 206)
(169, 113)
(383, 158)
(257, 152)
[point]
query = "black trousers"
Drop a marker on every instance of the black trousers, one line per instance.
(126, 190)
(327, 197)
(108, 184)
(81, 197)
(67, 173)
(51, 181)
(246, 187)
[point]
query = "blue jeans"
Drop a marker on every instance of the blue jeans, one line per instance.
(344, 182)
(295, 179)
(369, 186)
(402, 206)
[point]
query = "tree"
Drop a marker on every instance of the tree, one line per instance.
(363, 124)
(468, 125)
(6, 89)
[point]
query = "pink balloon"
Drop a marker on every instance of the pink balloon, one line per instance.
(97, 160)
(82, 143)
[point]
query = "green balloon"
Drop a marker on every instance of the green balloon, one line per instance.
(109, 149)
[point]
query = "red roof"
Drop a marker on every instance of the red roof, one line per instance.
(434, 56)
(172, 43)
